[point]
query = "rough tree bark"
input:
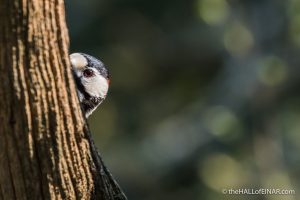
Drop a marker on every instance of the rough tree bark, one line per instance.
(45, 146)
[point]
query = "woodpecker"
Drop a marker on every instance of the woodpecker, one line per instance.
(92, 80)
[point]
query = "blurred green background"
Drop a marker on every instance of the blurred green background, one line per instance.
(204, 94)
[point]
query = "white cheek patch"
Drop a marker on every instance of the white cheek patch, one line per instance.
(78, 61)
(96, 86)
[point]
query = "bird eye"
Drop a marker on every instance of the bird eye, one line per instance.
(88, 73)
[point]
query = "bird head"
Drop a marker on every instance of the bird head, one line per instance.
(92, 80)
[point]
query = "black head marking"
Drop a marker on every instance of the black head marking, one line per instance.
(80, 87)
(97, 64)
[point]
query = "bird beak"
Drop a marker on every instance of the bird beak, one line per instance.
(78, 61)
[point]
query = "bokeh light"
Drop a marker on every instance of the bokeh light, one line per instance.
(204, 94)
(220, 171)
(222, 123)
(213, 12)
(238, 40)
(273, 71)
(294, 15)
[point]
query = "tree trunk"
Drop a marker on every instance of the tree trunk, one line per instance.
(45, 147)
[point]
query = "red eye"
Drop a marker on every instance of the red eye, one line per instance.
(88, 73)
